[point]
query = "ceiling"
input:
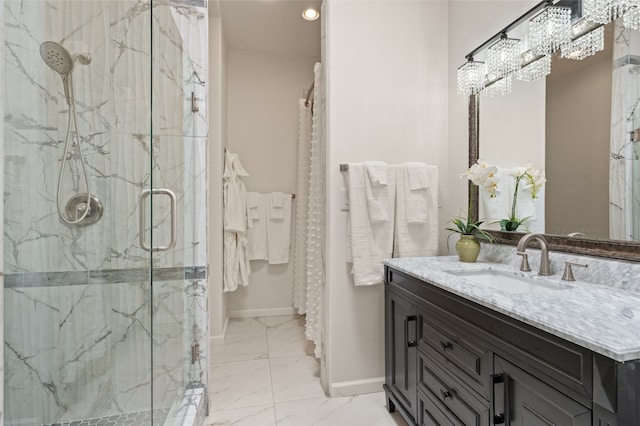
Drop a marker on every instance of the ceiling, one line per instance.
(269, 25)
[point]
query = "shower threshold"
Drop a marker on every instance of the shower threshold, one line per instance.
(139, 418)
(191, 411)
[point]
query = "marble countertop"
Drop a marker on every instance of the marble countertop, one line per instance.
(601, 318)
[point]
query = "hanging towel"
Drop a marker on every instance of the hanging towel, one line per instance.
(416, 191)
(279, 229)
(416, 238)
(371, 242)
(276, 211)
(419, 176)
(236, 223)
(257, 235)
(377, 191)
(498, 207)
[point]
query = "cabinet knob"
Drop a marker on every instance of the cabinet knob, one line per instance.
(446, 345)
(445, 394)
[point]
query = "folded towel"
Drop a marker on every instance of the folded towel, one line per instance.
(416, 238)
(525, 206)
(253, 201)
(371, 242)
(257, 235)
(279, 230)
(379, 191)
(276, 211)
(419, 176)
(376, 172)
(498, 207)
(416, 196)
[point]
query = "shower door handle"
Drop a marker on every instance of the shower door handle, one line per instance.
(143, 214)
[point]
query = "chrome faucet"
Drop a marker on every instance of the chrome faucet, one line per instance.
(545, 268)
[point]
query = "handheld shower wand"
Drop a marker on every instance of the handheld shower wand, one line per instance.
(61, 61)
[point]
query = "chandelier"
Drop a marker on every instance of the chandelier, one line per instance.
(471, 77)
(549, 31)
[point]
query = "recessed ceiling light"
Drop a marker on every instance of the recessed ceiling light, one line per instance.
(310, 14)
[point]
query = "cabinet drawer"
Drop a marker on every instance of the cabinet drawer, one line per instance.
(451, 394)
(430, 412)
(467, 358)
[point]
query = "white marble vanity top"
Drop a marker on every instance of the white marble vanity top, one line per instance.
(598, 317)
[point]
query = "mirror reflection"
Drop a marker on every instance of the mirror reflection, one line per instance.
(579, 126)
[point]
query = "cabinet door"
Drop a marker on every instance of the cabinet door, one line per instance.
(401, 351)
(526, 401)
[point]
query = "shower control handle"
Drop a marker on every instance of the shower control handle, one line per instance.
(143, 214)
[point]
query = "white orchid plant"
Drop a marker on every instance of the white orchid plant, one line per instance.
(532, 179)
(482, 175)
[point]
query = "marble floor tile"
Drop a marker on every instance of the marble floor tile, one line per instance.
(282, 322)
(240, 347)
(261, 415)
(295, 377)
(245, 325)
(240, 384)
(288, 342)
(366, 409)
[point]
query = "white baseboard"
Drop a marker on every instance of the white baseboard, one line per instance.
(269, 312)
(220, 337)
(356, 387)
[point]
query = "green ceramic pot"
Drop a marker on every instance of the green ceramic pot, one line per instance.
(468, 248)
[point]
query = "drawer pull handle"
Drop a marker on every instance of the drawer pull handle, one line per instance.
(412, 344)
(445, 394)
(446, 345)
(500, 418)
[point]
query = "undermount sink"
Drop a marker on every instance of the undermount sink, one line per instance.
(512, 282)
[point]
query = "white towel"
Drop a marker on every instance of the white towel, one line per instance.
(418, 178)
(416, 239)
(232, 166)
(236, 262)
(276, 211)
(498, 207)
(377, 191)
(257, 235)
(235, 206)
(371, 242)
(279, 231)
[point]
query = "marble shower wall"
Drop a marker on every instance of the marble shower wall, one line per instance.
(79, 305)
(624, 191)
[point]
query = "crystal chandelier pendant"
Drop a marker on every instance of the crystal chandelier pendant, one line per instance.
(471, 78)
(498, 88)
(503, 57)
(585, 46)
(535, 70)
(605, 11)
(550, 30)
(632, 18)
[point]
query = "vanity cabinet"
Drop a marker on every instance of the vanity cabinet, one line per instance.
(450, 361)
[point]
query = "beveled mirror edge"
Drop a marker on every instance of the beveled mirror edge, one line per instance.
(612, 249)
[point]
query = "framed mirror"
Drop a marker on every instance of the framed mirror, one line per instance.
(579, 124)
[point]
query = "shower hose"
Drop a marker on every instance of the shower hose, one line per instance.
(72, 113)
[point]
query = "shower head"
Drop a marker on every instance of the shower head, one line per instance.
(61, 61)
(57, 58)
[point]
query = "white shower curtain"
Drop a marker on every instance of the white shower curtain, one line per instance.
(302, 210)
(308, 268)
(316, 217)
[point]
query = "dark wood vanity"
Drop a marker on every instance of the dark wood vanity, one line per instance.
(450, 361)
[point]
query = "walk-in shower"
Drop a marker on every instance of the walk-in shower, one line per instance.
(104, 324)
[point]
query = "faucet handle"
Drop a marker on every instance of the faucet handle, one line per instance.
(525, 261)
(568, 272)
